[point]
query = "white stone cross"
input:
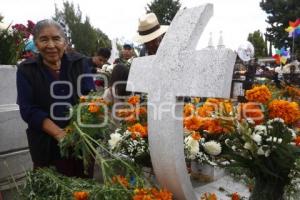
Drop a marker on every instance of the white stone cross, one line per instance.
(178, 69)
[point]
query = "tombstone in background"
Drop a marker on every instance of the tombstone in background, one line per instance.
(14, 153)
(176, 70)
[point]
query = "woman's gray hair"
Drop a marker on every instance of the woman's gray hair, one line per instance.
(40, 25)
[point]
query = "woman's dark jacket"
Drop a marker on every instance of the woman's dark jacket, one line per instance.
(34, 81)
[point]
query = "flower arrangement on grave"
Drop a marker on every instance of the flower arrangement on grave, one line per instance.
(47, 184)
(12, 41)
(131, 139)
(264, 142)
(88, 128)
(205, 126)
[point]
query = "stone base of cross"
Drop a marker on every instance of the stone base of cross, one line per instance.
(179, 70)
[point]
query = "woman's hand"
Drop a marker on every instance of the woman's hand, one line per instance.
(52, 129)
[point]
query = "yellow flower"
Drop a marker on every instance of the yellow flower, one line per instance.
(259, 94)
(288, 111)
(188, 109)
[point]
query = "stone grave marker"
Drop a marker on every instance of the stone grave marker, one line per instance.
(176, 70)
(14, 153)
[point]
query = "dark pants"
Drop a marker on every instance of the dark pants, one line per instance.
(69, 167)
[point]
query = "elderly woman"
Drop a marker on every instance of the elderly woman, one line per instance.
(47, 87)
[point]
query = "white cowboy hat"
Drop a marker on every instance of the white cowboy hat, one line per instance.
(149, 28)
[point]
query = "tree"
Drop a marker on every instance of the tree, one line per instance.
(280, 12)
(84, 36)
(256, 38)
(165, 10)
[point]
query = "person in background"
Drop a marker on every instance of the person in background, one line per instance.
(42, 98)
(127, 55)
(150, 33)
(117, 91)
(96, 62)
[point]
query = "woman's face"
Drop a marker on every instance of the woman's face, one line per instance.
(51, 44)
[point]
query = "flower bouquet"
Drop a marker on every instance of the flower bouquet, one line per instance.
(264, 142)
(131, 139)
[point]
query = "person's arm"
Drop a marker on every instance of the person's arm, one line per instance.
(32, 114)
(52, 129)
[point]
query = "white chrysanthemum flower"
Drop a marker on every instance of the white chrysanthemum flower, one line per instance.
(233, 148)
(260, 129)
(212, 147)
(248, 146)
(276, 120)
(115, 138)
(292, 131)
(192, 145)
(257, 138)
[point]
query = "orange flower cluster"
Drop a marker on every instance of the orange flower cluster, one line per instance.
(213, 126)
(134, 100)
(252, 111)
(131, 115)
(259, 94)
(193, 123)
(120, 180)
(212, 105)
(235, 196)
(138, 129)
(188, 110)
(293, 91)
(82, 195)
(288, 111)
(152, 194)
(209, 196)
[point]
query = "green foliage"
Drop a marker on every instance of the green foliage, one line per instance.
(84, 36)
(165, 10)
(256, 38)
(44, 184)
(280, 12)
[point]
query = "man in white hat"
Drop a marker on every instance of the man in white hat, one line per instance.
(150, 33)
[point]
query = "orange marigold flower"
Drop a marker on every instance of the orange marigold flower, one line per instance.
(297, 140)
(251, 110)
(93, 107)
(293, 91)
(188, 109)
(196, 136)
(235, 196)
(134, 100)
(138, 129)
(259, 94)
(288, 111)
(213, 126)
(121, 180)
(193, 122)
(82, 195)
(124, 112)
(141, 111)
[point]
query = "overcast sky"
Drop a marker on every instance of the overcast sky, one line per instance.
(119, 18)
